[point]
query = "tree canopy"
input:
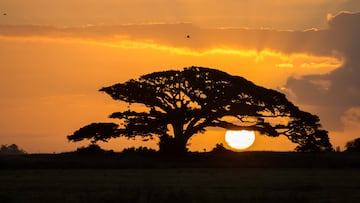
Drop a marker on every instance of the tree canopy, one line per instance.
(353, 145)
(181, 103)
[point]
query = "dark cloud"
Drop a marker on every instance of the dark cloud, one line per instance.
(338, 91)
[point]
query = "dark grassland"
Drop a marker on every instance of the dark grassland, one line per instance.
(181, 185)
(233, 177)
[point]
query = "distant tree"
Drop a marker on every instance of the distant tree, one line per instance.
(179, 104)
(353, 146)
(11, 149)
(92, 149)
(219, 148)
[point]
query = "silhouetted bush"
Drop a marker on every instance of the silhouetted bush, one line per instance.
(139, 150)
(93, 149)
(219, 148)
(11, 149)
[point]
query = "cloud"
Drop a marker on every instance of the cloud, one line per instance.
(337, 92)
(285, 65)
(175, 35)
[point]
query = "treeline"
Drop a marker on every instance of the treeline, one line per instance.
(134, 158)
(94, 157)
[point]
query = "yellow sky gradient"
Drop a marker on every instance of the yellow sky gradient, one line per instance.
(278, 14)
(55, 56)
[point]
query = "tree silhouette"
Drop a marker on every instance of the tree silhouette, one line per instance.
(11, 149)
(179, 104)
(353, 146)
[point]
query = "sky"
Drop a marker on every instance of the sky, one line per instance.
(55, 56)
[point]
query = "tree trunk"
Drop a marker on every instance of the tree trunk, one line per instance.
(172, 145)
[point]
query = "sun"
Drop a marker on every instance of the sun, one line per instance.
(239, 139)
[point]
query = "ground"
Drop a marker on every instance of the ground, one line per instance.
(318, 185)
(206, 177)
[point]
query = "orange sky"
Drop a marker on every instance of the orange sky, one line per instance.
(56, 55)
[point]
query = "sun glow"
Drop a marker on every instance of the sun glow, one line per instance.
(239, 139)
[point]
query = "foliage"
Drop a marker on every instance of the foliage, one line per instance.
(219, 149)
(179, 104)
(353, 146)
(139, 150)
(11, 149)
(92, 149)
(95, 132)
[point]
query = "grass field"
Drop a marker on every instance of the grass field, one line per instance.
(182, 185)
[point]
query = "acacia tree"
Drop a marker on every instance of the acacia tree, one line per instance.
(179, 104)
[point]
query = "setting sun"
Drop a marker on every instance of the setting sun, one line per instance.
(239, 139)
